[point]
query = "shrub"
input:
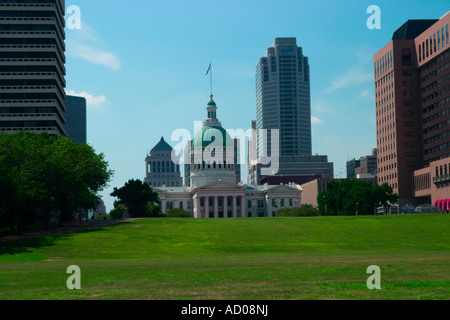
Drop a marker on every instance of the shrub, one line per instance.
(304, 211)
(178, 213)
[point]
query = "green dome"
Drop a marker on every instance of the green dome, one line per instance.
(208, 136)
(211, 103)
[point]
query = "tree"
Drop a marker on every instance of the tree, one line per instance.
(139, 198)
(44, 174)
(353, 196)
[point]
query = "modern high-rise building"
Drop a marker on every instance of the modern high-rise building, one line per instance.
(76, 125)
(283, 97)
(412, 81)
(32, 66)
(283, 103)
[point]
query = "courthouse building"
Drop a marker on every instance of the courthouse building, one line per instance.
(213, 191)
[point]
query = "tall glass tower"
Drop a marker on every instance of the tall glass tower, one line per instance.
(32, 66)
(283, 96)
(283, 102)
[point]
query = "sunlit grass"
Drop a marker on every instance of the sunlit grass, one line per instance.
(255, 258)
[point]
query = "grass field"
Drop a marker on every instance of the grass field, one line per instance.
(254, 258)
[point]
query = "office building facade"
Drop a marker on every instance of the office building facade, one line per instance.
(32, 66)
(411, 86)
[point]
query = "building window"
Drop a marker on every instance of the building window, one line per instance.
(434, 43)
(406, 57)
(439, 39)
(181, 204)
(420, 52)
(446, 33)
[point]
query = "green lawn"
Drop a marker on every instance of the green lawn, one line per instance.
(254, 258)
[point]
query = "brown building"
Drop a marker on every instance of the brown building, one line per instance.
(432, 184)
(412, 102)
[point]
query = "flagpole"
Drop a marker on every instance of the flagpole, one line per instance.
(210, 80)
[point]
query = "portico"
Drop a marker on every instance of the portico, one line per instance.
(219, 200)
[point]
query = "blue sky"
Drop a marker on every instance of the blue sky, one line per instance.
(142, 64)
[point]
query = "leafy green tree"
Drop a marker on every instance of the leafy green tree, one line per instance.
(43, 175)
(138, 197)
(353, 196)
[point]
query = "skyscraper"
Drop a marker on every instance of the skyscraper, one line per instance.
(283, 97)
(283, 103)
(32, 66)
(412, 77)
(76, 118)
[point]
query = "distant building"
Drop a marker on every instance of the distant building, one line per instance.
(76, 119)
(365, 166)
(161, 170)
(351, 166)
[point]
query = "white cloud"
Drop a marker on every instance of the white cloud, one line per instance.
(360, 72)
(323, 107)
(84, 44)
(315, 120)
(91, 101)
(96, 56)
(351, 77)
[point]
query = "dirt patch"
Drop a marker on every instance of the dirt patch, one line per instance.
(68, 227)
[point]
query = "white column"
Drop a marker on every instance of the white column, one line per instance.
(234, 207)
(163, 206)
(206, 207)
(243, 205)
(198, 210)
(194, 207)
(225, 207)
(216, 207)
